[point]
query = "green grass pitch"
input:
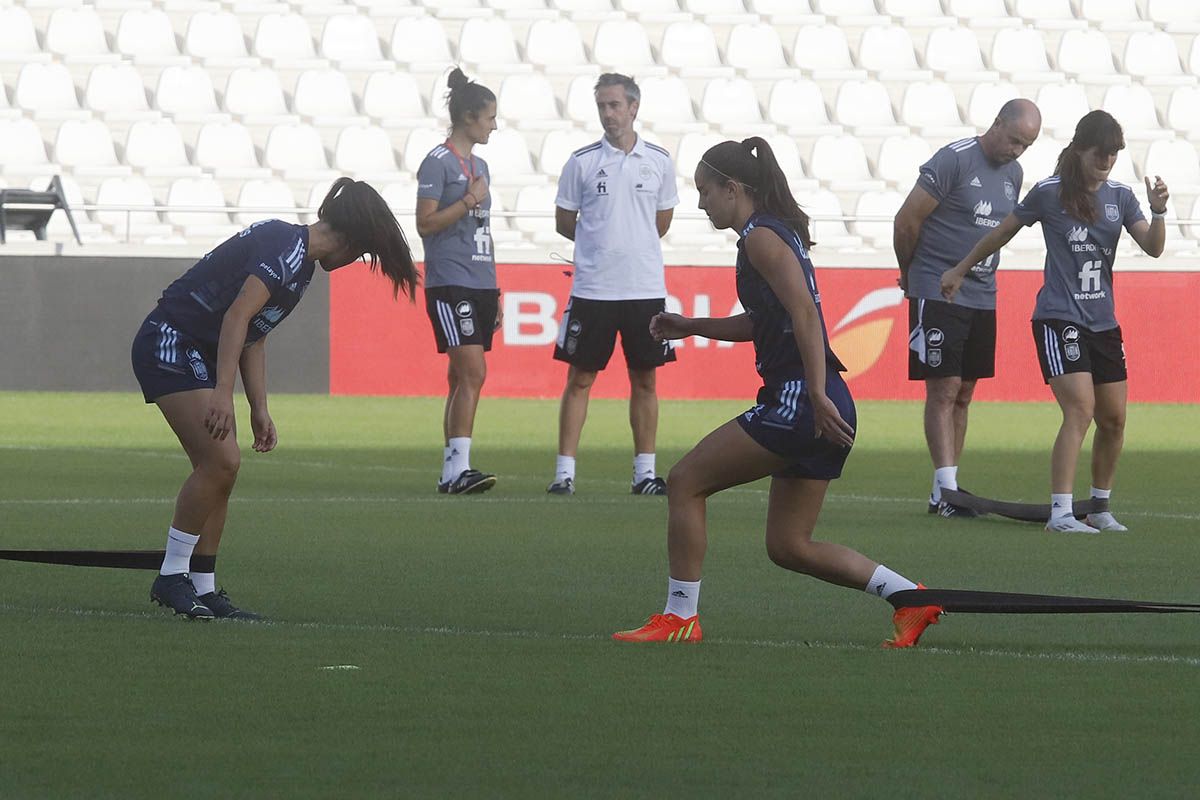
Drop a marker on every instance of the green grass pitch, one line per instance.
(478, 626)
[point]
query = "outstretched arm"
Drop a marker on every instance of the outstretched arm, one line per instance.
(993, 241)
(666, 325)
(1152, 236)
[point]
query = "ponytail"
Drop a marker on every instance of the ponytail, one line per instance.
(356, 211)
(752, 164)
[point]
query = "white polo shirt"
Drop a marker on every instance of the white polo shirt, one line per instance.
(617, 252)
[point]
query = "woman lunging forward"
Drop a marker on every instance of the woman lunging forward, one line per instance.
(802, 428)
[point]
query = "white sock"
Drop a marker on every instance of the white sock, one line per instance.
(643, 467)
(205, 582)
(943, 478)
(179, 552)
(446, 476)
(1061, 505)
(884, 583)
(460, 455)
(564, 467)
(682, 598)
(1101, 494)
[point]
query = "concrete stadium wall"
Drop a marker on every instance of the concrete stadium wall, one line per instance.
(66, 323)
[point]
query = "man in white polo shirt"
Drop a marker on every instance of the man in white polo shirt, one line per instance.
(615, 201)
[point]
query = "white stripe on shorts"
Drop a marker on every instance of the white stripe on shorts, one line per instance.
(446, 315)
(168, 337)
(916, 337)
(1053, 352)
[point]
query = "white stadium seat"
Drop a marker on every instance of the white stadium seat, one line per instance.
(528, 101)
(400, 195)
(421, 43)
(394, 98)
(284, 38)
(931, 106)
(1087, 56)
(18, 37)
(1183, 111)
(535, 214)
(489, 43)
(265, 199)
(1194, 57)
(351, 38)
(146, 36)
(1176, 161)
(841, 160)
(845, 8)
(865, 105)
(690, 228)
(196, 205)
(787, 154)
(325, 96)
(508, 158)
(986, 100)
(731, 103)
(1116, 14)
(117, 92)
(581, 100)
(623, 44)
(156, 148)
(558, 146)
(1041, 11)
(1133, 106)
(216, 37)
(86, 147)
(691, 48)
(885, 204)
(555, 45)
(226, 149)
(1181, 15)
(129, 192)
(48, 91)
(1039, 159)
(295, 148)
(186, 93)
(755, 47)
(417, 146)
(954, 51)
(798, 105)
(888, 49)
(77, 34)
(979, 12)
(692, 147)
(254, 92)
(1021, 52)
(821, 48)
(1153, 58)
(900, 157)
(666, 105)
(24, 150)
(1062, 106)
(829, 233)
(926, 11)
(365, 150)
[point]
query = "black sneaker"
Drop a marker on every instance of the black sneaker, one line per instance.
(565, 486)
(933, 507)
(177, 593)
(650, 486)
(223, 608)
(443, 487)
(471, 481)
(948, 509)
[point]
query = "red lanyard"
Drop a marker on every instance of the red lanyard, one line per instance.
(468, 165)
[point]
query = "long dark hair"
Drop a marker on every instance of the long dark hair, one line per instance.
(751, 162)
(466, 97)
(356, 211)
(1096, 129)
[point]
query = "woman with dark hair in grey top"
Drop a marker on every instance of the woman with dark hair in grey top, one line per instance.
(1075, 327)
(461, 297)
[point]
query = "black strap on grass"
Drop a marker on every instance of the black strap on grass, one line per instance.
(1025, 512)
(116, 559)
(968, 601)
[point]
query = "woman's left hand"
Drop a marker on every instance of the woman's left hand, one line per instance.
(265, 437)
(1157, 195)
(828, 423)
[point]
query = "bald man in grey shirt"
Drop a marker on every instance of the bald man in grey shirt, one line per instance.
(961, 194)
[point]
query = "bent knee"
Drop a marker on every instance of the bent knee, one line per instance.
(788, 554)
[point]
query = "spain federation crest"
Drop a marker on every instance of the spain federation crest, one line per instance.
(933, 357)
(1111, 212)
(1010, 191)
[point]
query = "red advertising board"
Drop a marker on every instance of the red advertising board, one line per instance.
(383, 347)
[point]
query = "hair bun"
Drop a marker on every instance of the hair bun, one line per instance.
(457, 79)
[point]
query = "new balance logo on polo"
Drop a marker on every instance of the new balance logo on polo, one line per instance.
(976, 183)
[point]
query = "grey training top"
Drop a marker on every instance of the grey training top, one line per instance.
(462, 254)
(973, 196)
(1078, 278)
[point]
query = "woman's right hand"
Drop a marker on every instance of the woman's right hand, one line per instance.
(665, 325)
(218, 421)
(478, 189)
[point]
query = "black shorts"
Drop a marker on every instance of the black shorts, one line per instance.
(950, 341)
(1064, 347)
(166, 361)
(782, 422)
(589, 329)
(462, 316)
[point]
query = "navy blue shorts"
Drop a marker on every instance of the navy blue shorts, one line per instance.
(166, 361)
(782, 422)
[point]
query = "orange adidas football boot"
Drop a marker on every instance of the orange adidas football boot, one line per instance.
(664, 628)
(911, 622)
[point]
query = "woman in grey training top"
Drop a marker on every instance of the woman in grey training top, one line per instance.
(1074, 325)
(461, 297)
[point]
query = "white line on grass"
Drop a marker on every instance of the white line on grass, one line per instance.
(1066, 656)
